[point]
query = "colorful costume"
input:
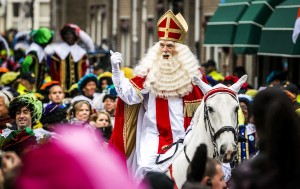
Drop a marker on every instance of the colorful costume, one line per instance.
(35, 60)
(69, 63)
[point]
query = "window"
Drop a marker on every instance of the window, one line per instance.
(44, 10)
(16, 9)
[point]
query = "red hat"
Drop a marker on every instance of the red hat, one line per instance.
(171, 27)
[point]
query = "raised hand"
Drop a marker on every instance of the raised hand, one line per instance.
(116, 58)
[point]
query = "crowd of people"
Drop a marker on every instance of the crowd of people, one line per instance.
(62, 122)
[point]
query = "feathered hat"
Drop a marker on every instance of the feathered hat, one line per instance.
(31, 102)
(171, 27)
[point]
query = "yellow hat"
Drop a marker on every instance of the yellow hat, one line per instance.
(251, 92)
(73, 87)
(171, 27)
(8, 77)
(105, 74)
(128, 72)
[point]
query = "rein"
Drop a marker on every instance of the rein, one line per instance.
(157, 161)
(215, 134)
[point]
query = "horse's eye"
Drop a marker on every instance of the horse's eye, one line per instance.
(236, 109)
(210, 109)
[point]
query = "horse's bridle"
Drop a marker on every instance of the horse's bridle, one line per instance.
(214, 135)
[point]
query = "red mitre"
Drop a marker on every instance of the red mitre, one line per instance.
(171, 27)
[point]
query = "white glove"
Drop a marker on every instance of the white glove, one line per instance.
(116, 59)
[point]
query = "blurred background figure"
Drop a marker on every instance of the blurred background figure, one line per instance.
(247, 131)
(211, 70)
(35, 60)
(105, 79)
(5, 120)
(109, 105)
(27, 83)
(69, 62)
(87, 87)
(277, 163)
(275, 78)
(292, 91)
(230, 80)
(53, 114)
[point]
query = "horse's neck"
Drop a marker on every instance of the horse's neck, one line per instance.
(199, 135)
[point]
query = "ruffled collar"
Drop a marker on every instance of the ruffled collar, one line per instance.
(63, 50)
(39, 51)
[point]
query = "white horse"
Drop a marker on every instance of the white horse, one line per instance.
(214, 123)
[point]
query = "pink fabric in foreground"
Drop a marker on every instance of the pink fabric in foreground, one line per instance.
(77, 161)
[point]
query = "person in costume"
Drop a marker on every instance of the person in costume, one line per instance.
(26, 83)
(87, 86)
(26, 110)
(247, 144)
(292, 91)
(104, 80)
(35, 60)
(53, 93)
(53, 115)
(69, 62)
(211, 70)
(9, 80)
(155, 107)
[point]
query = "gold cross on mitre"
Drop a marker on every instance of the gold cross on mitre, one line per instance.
(171, 27)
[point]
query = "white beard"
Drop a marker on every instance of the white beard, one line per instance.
(168, 79)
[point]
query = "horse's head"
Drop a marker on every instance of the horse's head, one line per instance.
(220, 113)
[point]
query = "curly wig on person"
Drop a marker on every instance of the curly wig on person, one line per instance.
(31, 102)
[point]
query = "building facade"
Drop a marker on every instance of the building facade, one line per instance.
(24, 14)
(130, 26)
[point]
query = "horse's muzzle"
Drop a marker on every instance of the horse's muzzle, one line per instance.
(227, 155)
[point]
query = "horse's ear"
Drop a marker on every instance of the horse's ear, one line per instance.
(203, 86)
(237, 86)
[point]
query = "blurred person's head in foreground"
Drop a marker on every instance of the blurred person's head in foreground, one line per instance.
(63, 164)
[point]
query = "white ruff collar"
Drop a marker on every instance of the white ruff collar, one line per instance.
(63, 50)
(39, 51)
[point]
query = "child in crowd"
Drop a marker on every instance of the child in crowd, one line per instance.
(101, 120)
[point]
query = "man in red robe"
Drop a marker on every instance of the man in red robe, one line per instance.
(155, 107)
